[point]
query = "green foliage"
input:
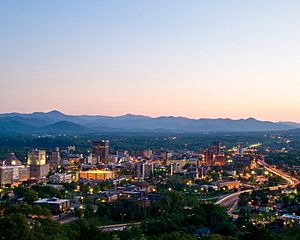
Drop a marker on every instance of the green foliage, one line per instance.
(176, 236)
(125, 210)
(30, 196)
(15, 226)
(103, 211)
(19, 191)
(260, 197)
(89, 211)
(46, 191)
(244, 198)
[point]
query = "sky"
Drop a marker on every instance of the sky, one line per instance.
(212, 58)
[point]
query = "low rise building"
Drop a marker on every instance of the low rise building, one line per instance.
(56, 205)
(108, 196)
(183, 162)
(61, 178)
(229, 184)
(102, 175)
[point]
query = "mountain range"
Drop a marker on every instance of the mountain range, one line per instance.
(58, 122)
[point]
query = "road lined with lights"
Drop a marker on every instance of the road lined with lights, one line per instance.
(118, 227)
(234, 197)
(293, 182)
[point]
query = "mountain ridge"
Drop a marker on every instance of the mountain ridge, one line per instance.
(57, 122)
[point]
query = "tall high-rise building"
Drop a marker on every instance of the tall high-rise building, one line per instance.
(37, 162)
(211, 153)
(101, 151)
(36, 157)
(55, 158)
(208, 157)
(240, 149)
(215, 147)
(143, 170)
(166, 156)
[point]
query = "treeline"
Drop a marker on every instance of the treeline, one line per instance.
(173, 216)
(132, 142)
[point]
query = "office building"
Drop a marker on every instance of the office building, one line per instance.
(55, 159)
(240, 150)
(147, 154)
(101, 175)
(75, 159)
(221, 160)
(101, 151)
(61, 178)
(165, 157)
(211, 153)
(37, 162)
(39, 172)
(143, 170)
(12, 172)
(228, 184)
(246, 162)
(36, 157)
(183, 162)
(215, 148)
(208, 157)
(56, 205)
(90, 159)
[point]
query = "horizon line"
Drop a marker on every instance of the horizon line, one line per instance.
(148, 116)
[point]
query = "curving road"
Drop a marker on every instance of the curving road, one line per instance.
(293, 182)
(232, 199)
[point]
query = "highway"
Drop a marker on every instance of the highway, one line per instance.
(67, 220)
(293, 182)
(117, 227)
(231, 200)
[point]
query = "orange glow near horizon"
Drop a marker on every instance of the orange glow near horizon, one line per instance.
(197, 59)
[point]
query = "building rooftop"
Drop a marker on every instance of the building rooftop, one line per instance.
(96, 171)
(12, 160)
(51, 200)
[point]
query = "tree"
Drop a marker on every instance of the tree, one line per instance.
(176, 236)
(38, 210)
(96, 188)
(19, 191)
(30, 196)
(15, 227)
(89, 211)
(213, 237)
(78, 212)
(103, 211)
(24, 209)
(244, 199)
(5, 197)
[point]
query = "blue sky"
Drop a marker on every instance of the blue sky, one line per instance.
(211, 58)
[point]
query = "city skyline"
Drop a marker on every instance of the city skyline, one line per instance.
(194, 59)
(140, 119)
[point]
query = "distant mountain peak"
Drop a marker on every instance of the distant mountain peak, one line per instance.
(65, 126)
(56, 121)
(132, 116)
(251, 119)
(55, 112)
